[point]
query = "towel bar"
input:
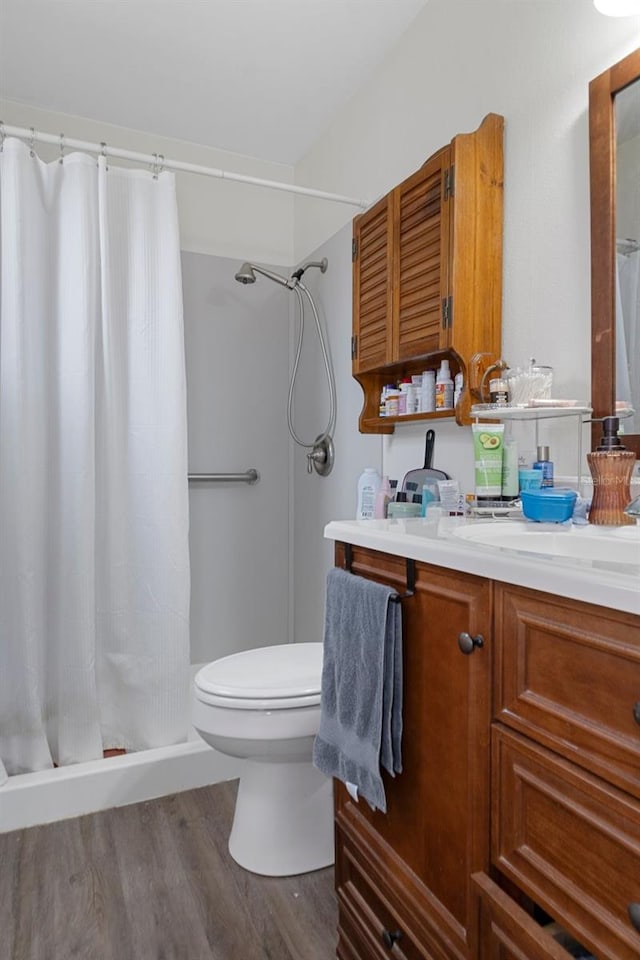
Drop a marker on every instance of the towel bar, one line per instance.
(411, 574)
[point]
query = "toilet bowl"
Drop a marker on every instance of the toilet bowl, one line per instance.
(263, 706)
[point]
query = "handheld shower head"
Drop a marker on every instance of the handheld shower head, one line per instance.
(247, 274)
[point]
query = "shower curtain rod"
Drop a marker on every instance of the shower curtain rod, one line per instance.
(159, 162)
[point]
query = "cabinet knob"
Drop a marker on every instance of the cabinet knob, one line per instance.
(468, 644)
(389, 937)
(636, 711)
(634, 915)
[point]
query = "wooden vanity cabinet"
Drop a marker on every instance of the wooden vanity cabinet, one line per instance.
(565, 793)
(408, 872)
(514, 828)
(427, 272)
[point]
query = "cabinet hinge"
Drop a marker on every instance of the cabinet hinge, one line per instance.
(449, 182)
(447, 312)
(354, 347)
(354, 248)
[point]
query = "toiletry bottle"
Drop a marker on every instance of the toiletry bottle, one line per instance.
(428, 392)
(427, 497)
(611, 467)
(545, 465)
(458, 384)
(368, 486)
(383, 497)
(391, 402)
(405, 383)
(444, 387)
(499, 392)
(510, 480)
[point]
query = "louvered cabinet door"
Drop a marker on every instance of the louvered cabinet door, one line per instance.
(421, 266)
(372, 293)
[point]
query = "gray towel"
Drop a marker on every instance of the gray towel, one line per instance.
(361, 699)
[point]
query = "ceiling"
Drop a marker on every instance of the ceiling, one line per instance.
(258, 77)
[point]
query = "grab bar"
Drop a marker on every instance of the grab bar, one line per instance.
(249, 476)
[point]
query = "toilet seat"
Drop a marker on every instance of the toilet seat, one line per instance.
(279, 677)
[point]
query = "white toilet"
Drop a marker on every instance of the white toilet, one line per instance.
(263, 706)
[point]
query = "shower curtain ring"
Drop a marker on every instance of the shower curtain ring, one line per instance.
(103, 152)
(1, 136)
(61, 158)
(154, 166)
(32, 139)
(161, 158)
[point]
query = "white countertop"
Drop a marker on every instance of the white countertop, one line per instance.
(432, 542)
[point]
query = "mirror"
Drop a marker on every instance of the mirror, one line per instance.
(614, 153)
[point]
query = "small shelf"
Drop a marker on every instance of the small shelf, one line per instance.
(377, 422)
(490, 411)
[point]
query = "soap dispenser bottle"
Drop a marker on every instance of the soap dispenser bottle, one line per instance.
(611, 466)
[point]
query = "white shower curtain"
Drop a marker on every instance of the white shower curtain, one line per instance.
(94, 568)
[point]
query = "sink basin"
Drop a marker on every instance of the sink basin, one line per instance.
(619, 545)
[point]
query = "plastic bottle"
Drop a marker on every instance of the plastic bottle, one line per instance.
(428, 392)
(368, 487)
(444, 387)
(545, 465)
(383, 497)
(391, 402)
(510, 476)
(458, 384)
(402, 399)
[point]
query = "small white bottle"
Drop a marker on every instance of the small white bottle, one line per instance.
(458, 384)
(444, 387)
(428, 392)
(368, 487)
(382, 499)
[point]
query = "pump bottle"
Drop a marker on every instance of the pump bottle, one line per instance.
(611, 466)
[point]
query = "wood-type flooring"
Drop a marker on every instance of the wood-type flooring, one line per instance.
(154, 881)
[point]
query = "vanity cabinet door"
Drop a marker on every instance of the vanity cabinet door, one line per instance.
(436, 829)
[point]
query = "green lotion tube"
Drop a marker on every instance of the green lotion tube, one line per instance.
(488, 448)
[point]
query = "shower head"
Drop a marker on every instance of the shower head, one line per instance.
(247, 274)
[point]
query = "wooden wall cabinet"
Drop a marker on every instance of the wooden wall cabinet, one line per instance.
(427, 273)
(513, 832)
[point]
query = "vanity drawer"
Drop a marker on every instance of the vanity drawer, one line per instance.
(505, 931)
(568, 675)
(569, 841)
(374, 922)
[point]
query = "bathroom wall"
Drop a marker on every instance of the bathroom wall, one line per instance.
(530, 60)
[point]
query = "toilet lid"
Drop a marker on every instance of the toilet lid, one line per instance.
(289, 671)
